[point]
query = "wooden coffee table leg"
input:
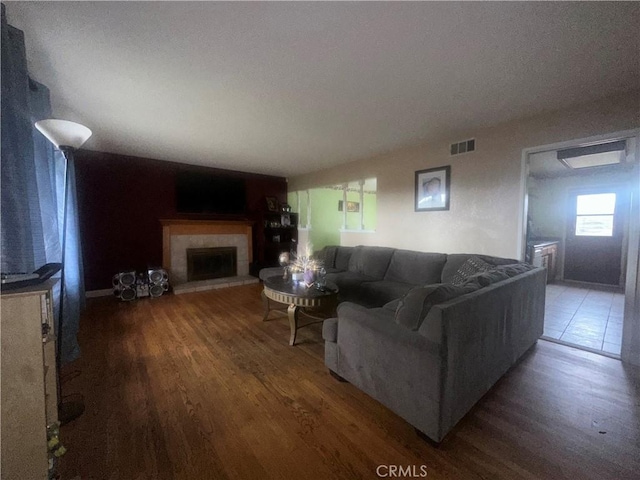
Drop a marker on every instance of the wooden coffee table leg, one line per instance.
(292, 311)
(265, 301)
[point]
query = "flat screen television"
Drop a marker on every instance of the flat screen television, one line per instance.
(209, 193)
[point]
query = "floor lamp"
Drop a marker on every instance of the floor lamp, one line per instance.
(67, 137)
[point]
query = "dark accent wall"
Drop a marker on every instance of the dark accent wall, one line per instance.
(121, 200)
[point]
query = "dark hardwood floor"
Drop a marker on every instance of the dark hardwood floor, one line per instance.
(196, 386)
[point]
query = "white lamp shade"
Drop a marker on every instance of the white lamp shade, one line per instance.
(63, 133)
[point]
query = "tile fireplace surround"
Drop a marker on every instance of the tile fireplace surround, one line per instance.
(178, 235)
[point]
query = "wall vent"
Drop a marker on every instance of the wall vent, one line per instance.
(465, 146)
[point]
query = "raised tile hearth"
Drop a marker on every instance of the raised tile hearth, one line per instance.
(203, 285)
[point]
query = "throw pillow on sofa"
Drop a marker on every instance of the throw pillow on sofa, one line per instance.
(471, 267)
(497, 274)
(514, 269)
(484, 279)
(415, 305)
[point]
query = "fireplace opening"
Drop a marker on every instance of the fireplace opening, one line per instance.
(210, 263)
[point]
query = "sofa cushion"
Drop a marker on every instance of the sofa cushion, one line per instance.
(348, 279)
(471, 267)
(348, 284)
(376, 294)
(332, 270)
(392, 305)
(370, 261)
(417, 268)
(415, 305)
(330, 330)
(455, 261)
(328, 256)
(343, 254)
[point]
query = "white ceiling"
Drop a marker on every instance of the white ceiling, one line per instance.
(288, 88)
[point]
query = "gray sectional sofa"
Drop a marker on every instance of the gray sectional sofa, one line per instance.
(428, 334)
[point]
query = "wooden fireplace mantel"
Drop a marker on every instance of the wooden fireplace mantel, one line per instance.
(172, 227)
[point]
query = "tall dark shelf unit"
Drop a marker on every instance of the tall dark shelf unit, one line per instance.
(273, 237)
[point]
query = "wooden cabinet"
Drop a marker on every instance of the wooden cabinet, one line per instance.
(276, 233)
(545, 254)
(29, 381)
(550, 260)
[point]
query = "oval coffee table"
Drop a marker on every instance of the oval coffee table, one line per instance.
(308, 301)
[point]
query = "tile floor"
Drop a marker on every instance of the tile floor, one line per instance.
(584, 317)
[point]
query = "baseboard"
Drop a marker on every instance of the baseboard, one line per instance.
(107, 292)
(591, 286)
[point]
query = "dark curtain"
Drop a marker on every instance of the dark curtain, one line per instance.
(32, 176)
(23, 247)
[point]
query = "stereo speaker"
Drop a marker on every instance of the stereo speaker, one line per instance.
(124, 285)
(158, 281)
(128, 285)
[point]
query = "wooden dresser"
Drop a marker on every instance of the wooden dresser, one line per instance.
(29, 381)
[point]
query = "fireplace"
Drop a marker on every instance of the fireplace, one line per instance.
(210, 263)
(180, 235)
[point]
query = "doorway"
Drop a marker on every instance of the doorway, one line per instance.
(595, 231)
(582, 205)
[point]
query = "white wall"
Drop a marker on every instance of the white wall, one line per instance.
(486, 185)
(350, 238)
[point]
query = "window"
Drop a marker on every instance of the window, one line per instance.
(594, 215)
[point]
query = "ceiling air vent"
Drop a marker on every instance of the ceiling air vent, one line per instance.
(463, 147)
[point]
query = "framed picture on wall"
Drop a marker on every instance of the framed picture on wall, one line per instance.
(433, 187)
(351, 206)
(272, 204)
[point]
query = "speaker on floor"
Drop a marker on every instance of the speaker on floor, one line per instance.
(158, 281)
(124, 285)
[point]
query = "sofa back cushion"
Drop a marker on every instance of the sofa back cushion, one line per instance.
(328, 256)
(417, 268)
(456, 260)
(415, 305)
(343, 255)
(370, 261)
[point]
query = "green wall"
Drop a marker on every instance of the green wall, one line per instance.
(326, 220)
